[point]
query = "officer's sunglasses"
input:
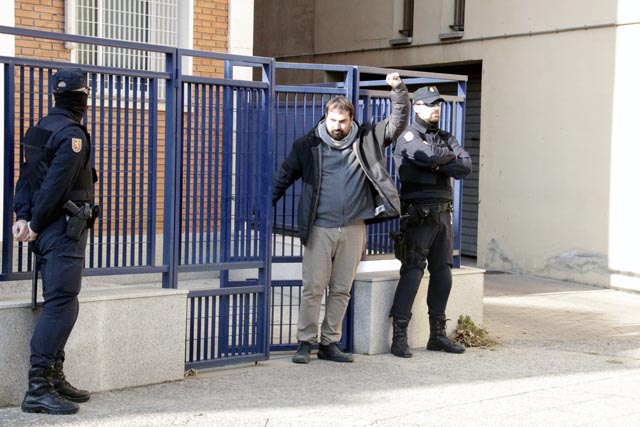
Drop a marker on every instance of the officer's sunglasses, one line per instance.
(433, 104)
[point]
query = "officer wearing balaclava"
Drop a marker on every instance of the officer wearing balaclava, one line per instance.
(54, 207)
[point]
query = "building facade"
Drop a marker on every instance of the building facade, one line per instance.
(550, 114)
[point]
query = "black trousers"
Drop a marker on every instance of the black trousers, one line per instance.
(433, 234)
(61, 261)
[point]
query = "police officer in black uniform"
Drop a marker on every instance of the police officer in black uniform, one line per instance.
(54, 206)
(426, 158)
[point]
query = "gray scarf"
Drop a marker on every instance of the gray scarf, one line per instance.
(321, 131)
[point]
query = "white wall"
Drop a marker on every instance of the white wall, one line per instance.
(241, 34)
(624, 204)
(7, 48)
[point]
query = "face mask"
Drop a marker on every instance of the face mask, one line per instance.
(75, 102)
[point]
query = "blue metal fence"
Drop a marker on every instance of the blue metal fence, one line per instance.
(197, 159)
(123, 125)
(185, 164)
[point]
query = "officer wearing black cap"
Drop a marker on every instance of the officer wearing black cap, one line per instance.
(427, 158)
(54, 207)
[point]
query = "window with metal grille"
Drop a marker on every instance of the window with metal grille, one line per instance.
(142, 21)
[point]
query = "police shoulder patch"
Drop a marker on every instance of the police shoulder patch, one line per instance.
(76, 144)
(408, 136)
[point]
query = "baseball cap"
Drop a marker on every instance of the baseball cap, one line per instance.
(427, 94)
(68, 79)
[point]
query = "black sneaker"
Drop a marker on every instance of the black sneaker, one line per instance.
(332, 352)
(303, 355)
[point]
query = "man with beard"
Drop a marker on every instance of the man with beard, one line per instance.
(54, 207)
(344, 184)
(427, 158)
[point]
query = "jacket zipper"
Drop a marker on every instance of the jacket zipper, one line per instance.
(317, 191)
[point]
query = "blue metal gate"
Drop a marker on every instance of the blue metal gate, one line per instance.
(223, 209)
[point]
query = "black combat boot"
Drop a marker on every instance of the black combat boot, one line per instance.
(43, 397)
(63, 387)
(399, 345)
(332, 352)
(303, 355)
(438, 340)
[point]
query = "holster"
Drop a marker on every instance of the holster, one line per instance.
(398, 244)
(79, 218)
(399, 240)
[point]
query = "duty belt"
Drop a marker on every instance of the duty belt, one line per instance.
(423, 209)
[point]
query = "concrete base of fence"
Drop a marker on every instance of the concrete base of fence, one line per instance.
(124, 337)
(373, 292)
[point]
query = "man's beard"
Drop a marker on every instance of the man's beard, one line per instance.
(337, 134)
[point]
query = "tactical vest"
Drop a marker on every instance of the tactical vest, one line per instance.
(38, 160)
(418, 182)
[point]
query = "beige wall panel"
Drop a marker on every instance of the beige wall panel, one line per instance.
(545, 171)
(283, 27)
(353, 24)
(494, 17)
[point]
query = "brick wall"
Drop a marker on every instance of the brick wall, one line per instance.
(211, 24)
(45, 15)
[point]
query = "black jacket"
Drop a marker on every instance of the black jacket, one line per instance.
(53, 170)
(426, 160)
(305, 161)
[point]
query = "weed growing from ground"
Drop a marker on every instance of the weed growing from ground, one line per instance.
(469, 334)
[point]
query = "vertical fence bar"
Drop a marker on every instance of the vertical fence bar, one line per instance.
(205, 354)
(99, 142)
(268, 142)
(217, 178)
(209, 182)
(125, 187)
(188, 130)
(109, 171)
(118, 216)
(8, 167)
(230, 95)
(192, 175)
(136, 220)
(457, 183)
(173, 172)
(202, 173)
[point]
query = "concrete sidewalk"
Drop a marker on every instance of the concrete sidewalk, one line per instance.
(570, 356)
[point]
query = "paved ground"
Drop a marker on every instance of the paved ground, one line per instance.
(570, 356)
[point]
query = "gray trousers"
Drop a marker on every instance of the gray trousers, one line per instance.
(331, 258)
